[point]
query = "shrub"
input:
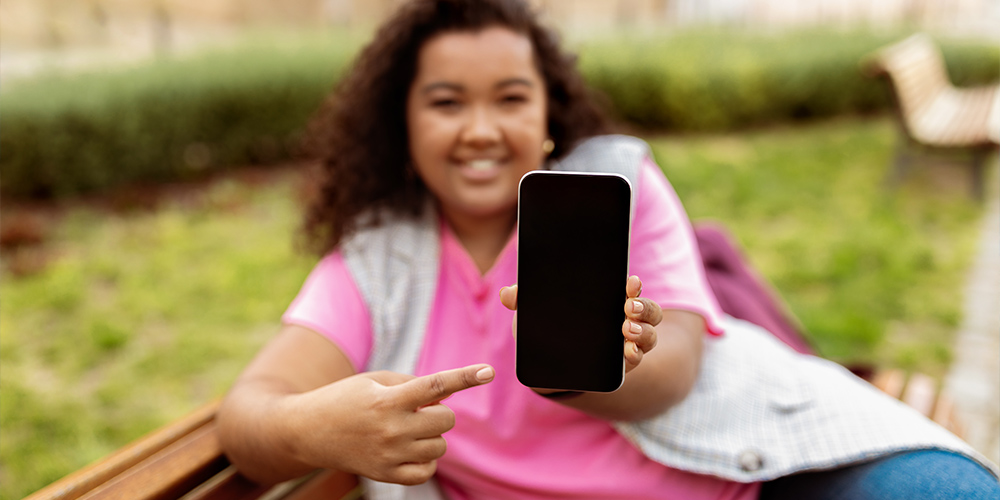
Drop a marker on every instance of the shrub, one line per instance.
(178, 118)
(719, 81)
(165, 120)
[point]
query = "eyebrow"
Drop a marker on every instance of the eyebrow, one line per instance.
(458, 88)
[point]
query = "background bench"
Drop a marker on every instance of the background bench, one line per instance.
(933, 115)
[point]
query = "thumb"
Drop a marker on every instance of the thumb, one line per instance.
(508, 297)
(432, 388)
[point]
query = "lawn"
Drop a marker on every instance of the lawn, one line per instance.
(140, 316)
(874, 275)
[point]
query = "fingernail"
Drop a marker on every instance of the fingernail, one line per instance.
(637, 306)
(634, 327)
(635, 348)
(484, 374)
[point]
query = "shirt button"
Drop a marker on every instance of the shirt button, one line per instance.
(750, 461)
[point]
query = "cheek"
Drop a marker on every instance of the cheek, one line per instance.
(534, 123)
(429, 133)
(528, 132)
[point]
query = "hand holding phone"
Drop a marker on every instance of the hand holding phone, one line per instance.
(639, 329)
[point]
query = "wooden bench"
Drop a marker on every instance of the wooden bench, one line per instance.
(933, 115)
(184, 460)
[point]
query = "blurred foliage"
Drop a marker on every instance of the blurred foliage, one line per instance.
(178, 118)
(139, 318)
(167, 119)
(724, 80)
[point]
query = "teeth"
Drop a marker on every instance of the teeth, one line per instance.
(482, 164)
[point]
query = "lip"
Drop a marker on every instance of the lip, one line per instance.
(481, 169)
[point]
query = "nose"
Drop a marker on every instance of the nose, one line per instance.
(482, 128)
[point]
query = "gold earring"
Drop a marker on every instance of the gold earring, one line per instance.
(548, 146)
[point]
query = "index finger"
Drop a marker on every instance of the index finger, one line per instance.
(432, 388)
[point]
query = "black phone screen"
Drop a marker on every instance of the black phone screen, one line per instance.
(572, 264)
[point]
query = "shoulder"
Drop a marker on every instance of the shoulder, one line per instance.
(616, 154)
(614, 148)
(385, 234)
(613, 142)
(385, 257)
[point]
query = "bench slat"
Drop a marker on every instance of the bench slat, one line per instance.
(79, 483)
(227, 485)
(170, 473)
(890, 382)
(327, 485)
(921, 394)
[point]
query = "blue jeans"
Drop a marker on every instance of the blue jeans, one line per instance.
(912, 475)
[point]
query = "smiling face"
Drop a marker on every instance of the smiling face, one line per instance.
(476, 115)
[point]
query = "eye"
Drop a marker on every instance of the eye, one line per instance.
(512, 99)
(445, 104)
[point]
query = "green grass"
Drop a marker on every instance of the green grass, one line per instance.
(138, 320)
(875, 276)
(141, 317)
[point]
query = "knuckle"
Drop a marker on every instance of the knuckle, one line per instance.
(433, 449)
(448, 419)
(652, 313)
(470, 378)
(438, 387)
(637, 356)
(406, 477)
(428, 470)
(385, 457)
(419, 473)
(390, 432)
(443, 420)
(648, 332)
(381, 402)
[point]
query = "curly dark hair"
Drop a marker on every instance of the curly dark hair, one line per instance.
(361, 133)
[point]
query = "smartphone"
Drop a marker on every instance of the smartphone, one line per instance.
(572, 264)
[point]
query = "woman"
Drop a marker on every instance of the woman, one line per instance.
(427, 139)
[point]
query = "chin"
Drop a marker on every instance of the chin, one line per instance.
(488, 208)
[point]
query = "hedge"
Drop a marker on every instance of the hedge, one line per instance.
(165, 120)
(720, 81)
(179, 118)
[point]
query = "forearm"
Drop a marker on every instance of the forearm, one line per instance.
(663, 378)
(256, 435)
(258, 425)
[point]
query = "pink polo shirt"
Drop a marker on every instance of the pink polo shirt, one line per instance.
(508, 442)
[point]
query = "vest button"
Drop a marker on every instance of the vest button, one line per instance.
(750, 461)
